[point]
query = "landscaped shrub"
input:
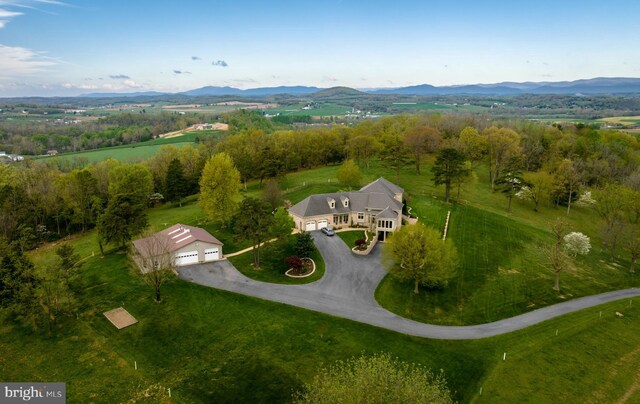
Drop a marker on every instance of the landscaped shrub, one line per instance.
(361, 244)
(294, 262)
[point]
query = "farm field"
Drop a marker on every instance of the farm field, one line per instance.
(433, 106)
(137, 151)
(209, 345)
(322, 109)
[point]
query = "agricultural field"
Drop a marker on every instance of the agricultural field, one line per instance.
(434, 106)
(320, 109)
(209, 345)
(135, 152)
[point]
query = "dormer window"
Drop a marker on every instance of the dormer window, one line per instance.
(332, 203)
(345, 202)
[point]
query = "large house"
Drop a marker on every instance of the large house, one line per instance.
(185, 244)
(377, 206)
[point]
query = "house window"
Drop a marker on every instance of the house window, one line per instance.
(385, 224)
(360, 215)
(332, 204)
(345, 202)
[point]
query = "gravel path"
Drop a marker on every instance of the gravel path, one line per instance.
(347, 290)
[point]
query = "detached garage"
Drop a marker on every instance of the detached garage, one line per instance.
(187, 245)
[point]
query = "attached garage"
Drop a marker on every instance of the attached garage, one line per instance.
(186, 258)
(211, 254)
(310, 226)
(322, 224)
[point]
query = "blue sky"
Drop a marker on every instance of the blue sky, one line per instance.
(50, 47)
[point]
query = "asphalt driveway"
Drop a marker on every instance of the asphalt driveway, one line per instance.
(347, 290)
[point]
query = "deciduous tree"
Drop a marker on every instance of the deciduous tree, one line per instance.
(378, 379)
(417, 253)
(349, 174)
(253, 221)
(220, 188)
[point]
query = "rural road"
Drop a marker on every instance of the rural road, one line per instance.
(347, 290)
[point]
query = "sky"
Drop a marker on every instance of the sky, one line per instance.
(70, 47)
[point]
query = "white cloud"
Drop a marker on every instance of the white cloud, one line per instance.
(8, 14)
(16, 61)
(132, 84)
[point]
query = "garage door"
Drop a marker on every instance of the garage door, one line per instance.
(311, 226)
(186, 258)
(211, 254)
(322, 224)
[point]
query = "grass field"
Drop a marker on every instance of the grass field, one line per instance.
(134, 152)
(212, 346)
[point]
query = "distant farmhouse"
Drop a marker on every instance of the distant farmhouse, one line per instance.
(186, 244)
(377, 206)
(10, 158)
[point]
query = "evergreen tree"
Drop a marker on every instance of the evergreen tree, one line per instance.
(175, 183)
(449, 168)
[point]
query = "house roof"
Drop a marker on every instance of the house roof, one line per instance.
(367, 199)
(382, 185)
(387, 214)
(176, 237)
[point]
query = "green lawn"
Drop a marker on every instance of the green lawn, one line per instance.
(209, 345)
(502, 270)
(212, 346)
(272, 265)
(350, 237)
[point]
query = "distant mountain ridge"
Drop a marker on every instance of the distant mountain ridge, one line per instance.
(599, 85)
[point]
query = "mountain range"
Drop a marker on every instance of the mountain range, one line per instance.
(600, 85)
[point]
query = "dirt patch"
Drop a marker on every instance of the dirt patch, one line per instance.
(120, 318)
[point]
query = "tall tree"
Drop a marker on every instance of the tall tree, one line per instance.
(133, 180)
(123, 219)
(175, 183)
(19, 285)
(56, 285)
(610, 204)
(474, 146)
(556, 254)
(510, 184)
(253, 221)
(349, 174)
(538, 188)
(220, 188)
(282, 224)
(449, 168)
(272, 194)
(417, 253)
(570, 178)
(394, 152)
(504, 146)
(420, 140)
(378, 379)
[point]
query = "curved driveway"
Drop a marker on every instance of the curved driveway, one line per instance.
(347, 290)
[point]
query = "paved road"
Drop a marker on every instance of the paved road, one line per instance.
(347, 290)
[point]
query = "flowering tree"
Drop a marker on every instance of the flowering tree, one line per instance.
(577, 243)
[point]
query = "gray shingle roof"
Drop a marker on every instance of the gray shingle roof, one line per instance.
(384, 186)
(367, 199)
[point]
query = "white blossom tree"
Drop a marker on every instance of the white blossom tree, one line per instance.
(577, 243)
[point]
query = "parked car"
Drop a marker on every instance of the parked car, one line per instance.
(328, 231)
